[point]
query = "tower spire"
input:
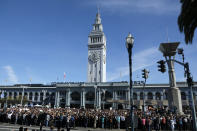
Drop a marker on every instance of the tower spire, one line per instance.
(98, 16)
(98, 8)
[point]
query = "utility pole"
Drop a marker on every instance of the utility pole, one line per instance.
(145, 76)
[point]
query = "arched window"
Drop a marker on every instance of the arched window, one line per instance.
(36, 96)
(183, 96)
(10, 94)
(75, 96)
(90, 96)
(141, 96)
(150, 96)
(30, 95)
(135, 96)
(108, 95)
(158, 96)
(41, 96)
(15, 94)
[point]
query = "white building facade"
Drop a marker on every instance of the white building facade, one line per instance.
(96, 53)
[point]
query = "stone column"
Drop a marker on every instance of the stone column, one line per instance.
(114, 98)
(126, 95)
(17, 94)
(98, 99)
(174, 95)
(68, 98)
(27, 95)
(138, 96)
(82, 98)
(187, 93)
(154, 97)
(44, 95)
(57, 99)
(33, 96)
(12, 95)
(162, 96)
(145, 95)
(38, 97)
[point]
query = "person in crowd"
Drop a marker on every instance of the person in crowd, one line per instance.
(173, 122)
(153, 119)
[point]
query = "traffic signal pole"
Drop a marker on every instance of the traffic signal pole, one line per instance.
(145, 76)
(143, 97)
(191, 98)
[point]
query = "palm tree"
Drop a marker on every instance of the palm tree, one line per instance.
(187, 19)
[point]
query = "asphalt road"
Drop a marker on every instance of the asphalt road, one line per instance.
(12, 127)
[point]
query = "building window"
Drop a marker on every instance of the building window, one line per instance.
(150, 96)
(30, 95)
(15, 94)
(134, 96)
(158, 96)
(183, 96)
(75, 96)
(141, 96)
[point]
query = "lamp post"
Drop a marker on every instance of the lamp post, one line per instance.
(129, 46)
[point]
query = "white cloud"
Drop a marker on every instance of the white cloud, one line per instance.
(11, 74)
(142, 6)
(142, 59)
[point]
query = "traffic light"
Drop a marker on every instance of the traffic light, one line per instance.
(145, 73)
(161, 66)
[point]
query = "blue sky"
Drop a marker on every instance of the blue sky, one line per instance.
(42, 39)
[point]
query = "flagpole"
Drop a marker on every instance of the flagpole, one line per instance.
(64, 77)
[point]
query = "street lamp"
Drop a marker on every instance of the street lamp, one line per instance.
(129, 46)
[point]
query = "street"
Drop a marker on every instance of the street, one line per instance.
(12, 127)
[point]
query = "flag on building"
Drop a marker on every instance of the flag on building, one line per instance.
(64, 75)
(30, 80)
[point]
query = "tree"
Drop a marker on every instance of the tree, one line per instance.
(187, 19)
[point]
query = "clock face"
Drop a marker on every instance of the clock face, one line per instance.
(94, 57)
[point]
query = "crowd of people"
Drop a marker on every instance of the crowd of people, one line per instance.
(152, 119)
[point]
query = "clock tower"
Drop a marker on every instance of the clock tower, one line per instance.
(97, 53)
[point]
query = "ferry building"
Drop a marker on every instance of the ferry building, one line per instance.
(96, 92)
